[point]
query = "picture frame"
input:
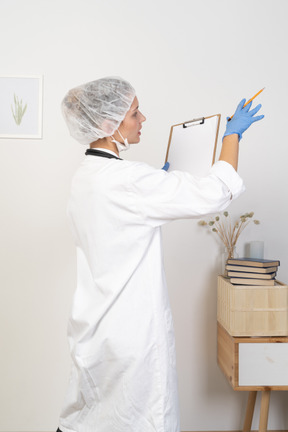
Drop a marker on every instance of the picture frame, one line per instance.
(21, 106)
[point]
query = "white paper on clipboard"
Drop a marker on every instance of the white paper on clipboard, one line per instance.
(192, 145)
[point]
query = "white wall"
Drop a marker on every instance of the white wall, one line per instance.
(186, 59)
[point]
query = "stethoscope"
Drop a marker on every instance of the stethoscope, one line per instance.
(95, 152)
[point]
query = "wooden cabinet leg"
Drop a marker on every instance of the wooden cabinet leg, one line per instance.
(265, 399)
(249, 411)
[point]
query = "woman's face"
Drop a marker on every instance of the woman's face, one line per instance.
(131, 125)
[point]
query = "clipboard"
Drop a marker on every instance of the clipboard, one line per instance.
(192, 145)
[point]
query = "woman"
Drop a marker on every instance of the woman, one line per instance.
(120, 332)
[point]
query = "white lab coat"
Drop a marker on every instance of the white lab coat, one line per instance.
(121, 336)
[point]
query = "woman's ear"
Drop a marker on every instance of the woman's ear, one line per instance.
(108, 127)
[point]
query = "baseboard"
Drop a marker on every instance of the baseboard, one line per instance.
(270, 430)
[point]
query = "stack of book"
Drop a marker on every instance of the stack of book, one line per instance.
(250, 271)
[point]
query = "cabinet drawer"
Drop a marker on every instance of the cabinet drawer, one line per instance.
(253, 363)
(263, 364)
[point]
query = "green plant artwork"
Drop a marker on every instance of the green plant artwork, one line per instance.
(18, 111)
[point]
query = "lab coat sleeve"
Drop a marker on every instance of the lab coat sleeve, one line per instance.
(165, 196)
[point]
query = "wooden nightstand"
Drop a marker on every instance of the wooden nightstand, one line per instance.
(254, 364)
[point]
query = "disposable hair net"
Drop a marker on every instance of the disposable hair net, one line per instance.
(96, 109)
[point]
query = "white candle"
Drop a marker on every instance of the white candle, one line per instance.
(257, 249)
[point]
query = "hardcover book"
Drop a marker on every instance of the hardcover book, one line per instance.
(251, 275)
(239, 268)
(254, 262)
(259, 282)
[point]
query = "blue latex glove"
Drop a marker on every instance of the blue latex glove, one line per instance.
(242, 119)
(166, 166)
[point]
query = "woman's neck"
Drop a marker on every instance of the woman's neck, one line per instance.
(105, 143)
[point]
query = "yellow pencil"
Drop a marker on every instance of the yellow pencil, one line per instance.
(250, 100)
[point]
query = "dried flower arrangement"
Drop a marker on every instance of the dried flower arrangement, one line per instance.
(227, 231)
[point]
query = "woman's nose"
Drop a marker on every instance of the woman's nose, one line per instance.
(143, 118)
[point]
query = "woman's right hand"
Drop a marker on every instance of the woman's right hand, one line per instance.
(166, 166)
(242, 119)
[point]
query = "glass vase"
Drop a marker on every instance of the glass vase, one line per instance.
(228, 254)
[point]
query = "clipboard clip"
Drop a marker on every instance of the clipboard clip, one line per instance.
(194, 122)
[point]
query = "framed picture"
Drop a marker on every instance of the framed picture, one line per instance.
(21, 106)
